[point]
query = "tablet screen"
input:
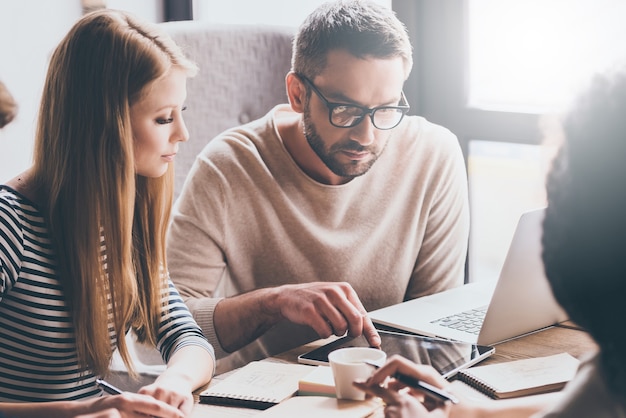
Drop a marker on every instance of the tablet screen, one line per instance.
(446, 356)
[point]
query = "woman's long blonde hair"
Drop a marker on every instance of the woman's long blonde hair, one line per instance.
(107, 224)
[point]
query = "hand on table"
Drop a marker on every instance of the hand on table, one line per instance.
(174, 392)
(130, 405)
(107, 413)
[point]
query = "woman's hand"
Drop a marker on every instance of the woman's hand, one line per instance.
(175, 392)
(128, 405)
(107, 413)
(400, 400)
(189, 368)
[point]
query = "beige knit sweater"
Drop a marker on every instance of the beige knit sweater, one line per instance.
(249, 217)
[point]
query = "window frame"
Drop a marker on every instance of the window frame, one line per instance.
(439, 83)
(438, 87)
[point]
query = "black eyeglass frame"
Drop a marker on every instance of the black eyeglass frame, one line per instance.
(365, 110)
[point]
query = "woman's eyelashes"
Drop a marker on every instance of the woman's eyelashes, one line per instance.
(164, 121)
(170, 119)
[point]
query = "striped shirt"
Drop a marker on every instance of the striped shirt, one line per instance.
(38, 358)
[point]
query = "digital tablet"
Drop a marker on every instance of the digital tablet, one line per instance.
(446, 356)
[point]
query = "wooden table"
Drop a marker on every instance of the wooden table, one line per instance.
(565, 337)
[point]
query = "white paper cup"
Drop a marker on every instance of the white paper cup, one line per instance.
(348, 364)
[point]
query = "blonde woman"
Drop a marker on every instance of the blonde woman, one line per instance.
(82, 232)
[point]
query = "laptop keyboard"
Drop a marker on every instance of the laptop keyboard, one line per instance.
(468, 321)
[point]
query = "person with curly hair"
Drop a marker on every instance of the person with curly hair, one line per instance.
(8, 106)
(583, 254)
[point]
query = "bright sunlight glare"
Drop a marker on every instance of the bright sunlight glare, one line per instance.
(536, 55)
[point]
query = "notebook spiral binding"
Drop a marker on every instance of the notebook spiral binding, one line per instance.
(478, 384)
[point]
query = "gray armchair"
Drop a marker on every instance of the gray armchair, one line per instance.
(241, 77)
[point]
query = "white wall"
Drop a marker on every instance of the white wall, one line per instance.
(270, 12)
(29, 31)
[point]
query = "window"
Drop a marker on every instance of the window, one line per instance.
(490, 70)
(505, 180)
(534, 55)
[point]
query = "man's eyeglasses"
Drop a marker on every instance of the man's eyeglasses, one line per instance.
(344, 115)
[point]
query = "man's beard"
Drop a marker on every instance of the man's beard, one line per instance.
(348, 170)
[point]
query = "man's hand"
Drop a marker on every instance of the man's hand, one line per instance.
(328, 308)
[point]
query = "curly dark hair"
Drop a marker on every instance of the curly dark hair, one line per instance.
(8, 106)
(585, 224)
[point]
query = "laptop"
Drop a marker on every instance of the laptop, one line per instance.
(488, 312)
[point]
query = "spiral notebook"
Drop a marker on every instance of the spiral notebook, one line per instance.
(522, 377)
(258, 385)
